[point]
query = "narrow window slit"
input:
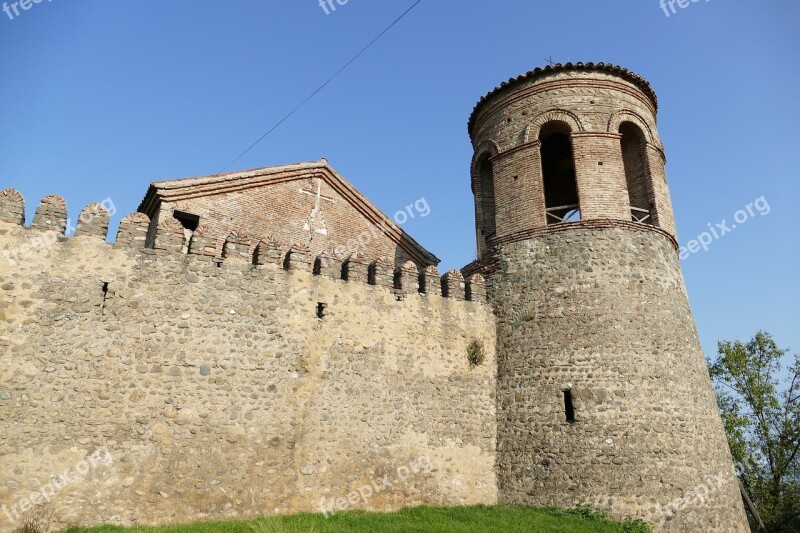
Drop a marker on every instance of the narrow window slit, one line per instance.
(105, 297)
(321, 310)
(569, 409)
(488, 216)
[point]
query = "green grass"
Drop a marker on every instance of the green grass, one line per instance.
(420, 519)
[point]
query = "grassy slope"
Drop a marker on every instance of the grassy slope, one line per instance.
(421, 519)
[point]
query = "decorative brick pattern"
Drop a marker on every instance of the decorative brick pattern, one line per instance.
(381, 273)
(476, 288)
(12, 207)
(431, 281)
(453, 285)
(407, 278)
(355, 269)
(169, 236)
(132, 231)
(93, 221)
(201, 244)
(238, 249)
(51, 214)
(268, 253)
(299, 258)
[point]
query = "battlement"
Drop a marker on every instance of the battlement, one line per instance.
(238, 251)
(299, 376)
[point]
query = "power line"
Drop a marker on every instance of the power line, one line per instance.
(328, 81)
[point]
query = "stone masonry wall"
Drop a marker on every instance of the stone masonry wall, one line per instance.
(602, 315)
(214, 390)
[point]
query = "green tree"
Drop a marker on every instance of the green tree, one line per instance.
(760, 407)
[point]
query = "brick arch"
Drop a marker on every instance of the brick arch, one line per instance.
(490, 147)
(12, 207)
(169, 235)
(133, 230)
(627, 115)
(238, 247)
(485, 206)
(51, 214)
(14, 194)
(55, 201)
(170, 223)
(93, 221)
(554, 115)
(486, 147)
(203, 241)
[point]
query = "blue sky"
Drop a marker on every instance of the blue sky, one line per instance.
(100, 98)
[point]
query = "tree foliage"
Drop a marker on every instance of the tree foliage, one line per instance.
(759, 399)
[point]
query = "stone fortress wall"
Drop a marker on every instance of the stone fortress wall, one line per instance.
(269, 380)
(232, 387)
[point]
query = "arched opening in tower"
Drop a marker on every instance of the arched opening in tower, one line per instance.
(558, 171)
(637, 176)
(487, 203)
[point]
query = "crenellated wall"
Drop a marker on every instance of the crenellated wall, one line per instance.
(233, 387)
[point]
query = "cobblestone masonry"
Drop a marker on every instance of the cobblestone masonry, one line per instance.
(593, 320)
(605, 317)
(217, 390)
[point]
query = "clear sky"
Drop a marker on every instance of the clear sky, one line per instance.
(100, 98)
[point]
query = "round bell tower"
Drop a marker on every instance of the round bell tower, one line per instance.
(603, 392)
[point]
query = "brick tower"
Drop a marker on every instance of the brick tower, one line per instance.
(603, 392)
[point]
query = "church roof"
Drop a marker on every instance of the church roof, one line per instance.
(175, 190)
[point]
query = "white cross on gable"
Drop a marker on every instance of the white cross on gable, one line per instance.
(318, 193)
(316, 220)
